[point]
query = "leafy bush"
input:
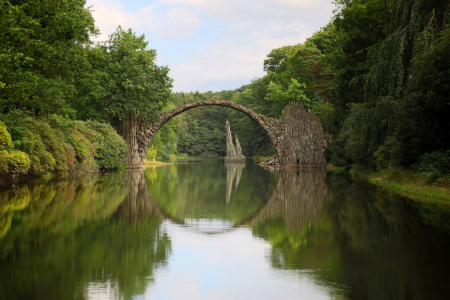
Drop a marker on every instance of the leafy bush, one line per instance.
(434, 162)
(151, 153)
(18, 162)
(12, 162)
(110, 148)
(208, 155)
(167, 150)
(5, 138)
(58, 144)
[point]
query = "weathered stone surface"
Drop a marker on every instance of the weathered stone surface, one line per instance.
(238, 148)
(298, 140)
(233, 153)
(146, 131)
(271, 162)
(304, 141)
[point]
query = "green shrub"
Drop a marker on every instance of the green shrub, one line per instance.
(54, 143)
(151, 153)
(110, 148)
(18, 162)
(58, 144)
(42, 161)
(434, 162)
(4, 162)
(12, 162)
(5, 138)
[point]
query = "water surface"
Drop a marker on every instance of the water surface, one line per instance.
(210, 230)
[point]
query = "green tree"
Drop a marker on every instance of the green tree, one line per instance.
(294, 93)
(134, 87)
(42, 51)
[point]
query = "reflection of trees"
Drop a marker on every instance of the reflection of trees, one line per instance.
(57, 207)
(71, 239)
(138, 203)
(365, 244)
(234, 171)
(386, 251)
(198, 191)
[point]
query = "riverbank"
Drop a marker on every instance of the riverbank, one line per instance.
(408, 184)
(155, 163)
(55, 146)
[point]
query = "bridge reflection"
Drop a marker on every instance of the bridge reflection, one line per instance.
(297, 197)
(138, 203)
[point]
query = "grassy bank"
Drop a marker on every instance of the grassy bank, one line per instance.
(259, 159)
(154, 163)
(408, 184)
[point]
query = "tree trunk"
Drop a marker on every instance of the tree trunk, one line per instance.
(127, 128)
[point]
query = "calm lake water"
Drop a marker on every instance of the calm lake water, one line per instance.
(213, 230)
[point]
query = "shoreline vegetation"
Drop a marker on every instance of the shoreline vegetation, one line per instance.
(409, 184)
(56, 146)
(155, 163)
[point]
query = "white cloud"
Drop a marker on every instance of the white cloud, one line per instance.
(245, 32)
(108, 15)
(179, 22)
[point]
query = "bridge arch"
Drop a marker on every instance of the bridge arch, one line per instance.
(146, 131)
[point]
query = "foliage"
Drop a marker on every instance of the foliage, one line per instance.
(61, 145)
(5, 138)
(110, 148)
(434, 162)
(406, 89)
(151, 153)
(165, 140)
(294, 93)
(125, 80)
(12, 162)
(41, 51)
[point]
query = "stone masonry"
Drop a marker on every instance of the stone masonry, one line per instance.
(298, 140)
(304, 141)
(146, 131)
(234, 153)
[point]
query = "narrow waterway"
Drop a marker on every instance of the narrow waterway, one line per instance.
(205, 229)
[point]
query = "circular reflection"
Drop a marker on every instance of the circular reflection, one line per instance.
(210, 196)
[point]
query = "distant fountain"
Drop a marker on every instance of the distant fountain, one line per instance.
(233, 153)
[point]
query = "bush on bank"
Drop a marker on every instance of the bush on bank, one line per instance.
(57, 145)
(11, 161)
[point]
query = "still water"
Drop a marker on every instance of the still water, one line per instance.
(213, 230)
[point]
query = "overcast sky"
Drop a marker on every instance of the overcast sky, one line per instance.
(213, 44)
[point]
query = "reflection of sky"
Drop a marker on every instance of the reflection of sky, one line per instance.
(209, 225)
(102, 291)
(232, 265)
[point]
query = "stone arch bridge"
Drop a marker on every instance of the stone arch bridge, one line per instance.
(298, 140)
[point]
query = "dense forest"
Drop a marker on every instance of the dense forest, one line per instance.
(63, 97)
(377, 75)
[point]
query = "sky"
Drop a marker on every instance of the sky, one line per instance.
(213, 45)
